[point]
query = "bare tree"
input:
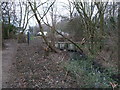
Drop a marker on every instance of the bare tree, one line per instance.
(85, 10)
(9, 17)
(101, 6)
(40, 25)
(70, 7)
(51, 26)
(93, 21)
(53, 29)
(24, 15)
(53, 16)
(118, 28)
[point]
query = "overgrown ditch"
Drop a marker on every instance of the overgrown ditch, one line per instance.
(92, 74)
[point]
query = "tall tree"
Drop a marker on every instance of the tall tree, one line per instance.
(93, 19)
(52, 11)
(34, 9)
(24, 15)
(53, 15)
(101, 6)
(86, 11)
(8, 17)
(118, 30)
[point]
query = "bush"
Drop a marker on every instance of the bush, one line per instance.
(21, 38)
(8, 31)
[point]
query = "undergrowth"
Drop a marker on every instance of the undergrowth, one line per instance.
(87, 76)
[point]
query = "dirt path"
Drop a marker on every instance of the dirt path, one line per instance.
(35, 71)
(8, 60)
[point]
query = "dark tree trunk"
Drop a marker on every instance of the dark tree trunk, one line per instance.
(119, 33)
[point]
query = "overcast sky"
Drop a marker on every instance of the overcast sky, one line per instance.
(60, 9)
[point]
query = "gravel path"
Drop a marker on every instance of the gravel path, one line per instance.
(8, 60)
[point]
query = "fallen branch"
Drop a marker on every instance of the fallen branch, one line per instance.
(64, 37)
(70, 41)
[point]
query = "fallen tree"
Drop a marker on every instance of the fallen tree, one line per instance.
(41, 28)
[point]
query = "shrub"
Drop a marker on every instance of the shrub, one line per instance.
(21, 38)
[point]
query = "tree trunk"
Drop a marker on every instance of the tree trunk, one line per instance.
(53, 36)
(41, 29)
(8, 31)
(118, 31)
(101, 30)
(92, 39)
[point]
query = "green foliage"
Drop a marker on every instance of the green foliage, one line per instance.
(8, 28)
(31, 37)
(111, 24)
(87, 76)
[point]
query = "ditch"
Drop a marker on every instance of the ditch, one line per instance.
(95, 75)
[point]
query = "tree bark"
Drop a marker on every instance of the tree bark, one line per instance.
(41, 29)
(118, 33)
